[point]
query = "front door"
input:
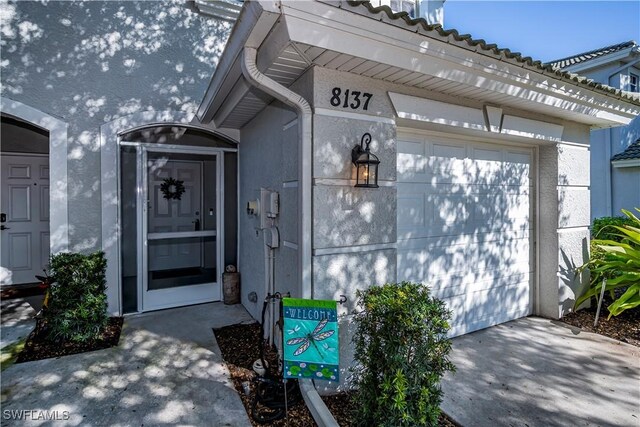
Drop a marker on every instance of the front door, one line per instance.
(173, 212)
(25, 217)
(180, 236)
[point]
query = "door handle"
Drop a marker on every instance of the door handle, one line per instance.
(197, 224)
(4, 227)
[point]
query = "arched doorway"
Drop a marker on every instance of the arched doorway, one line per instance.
(177, 215)
(33, 132)
(24, 201)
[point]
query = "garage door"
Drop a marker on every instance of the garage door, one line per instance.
(465, 226)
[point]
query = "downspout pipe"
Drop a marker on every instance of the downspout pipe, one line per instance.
(305, 162)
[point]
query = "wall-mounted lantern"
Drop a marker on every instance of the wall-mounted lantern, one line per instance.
(366, 164)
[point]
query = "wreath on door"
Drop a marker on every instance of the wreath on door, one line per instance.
(172, 188)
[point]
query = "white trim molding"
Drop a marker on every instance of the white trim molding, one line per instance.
(427, 110)
(339, 182)
(355, 249)
(536, 129)
(626, 163)
(487, 119)
(58, 195)
(354, 116)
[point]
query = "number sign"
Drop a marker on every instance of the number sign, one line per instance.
(348, 98)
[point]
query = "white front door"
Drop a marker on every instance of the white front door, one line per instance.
(172, 215)
(465, 226)
(180, 245)
(25, 217)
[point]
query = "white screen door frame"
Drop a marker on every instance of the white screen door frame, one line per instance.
(181, 295)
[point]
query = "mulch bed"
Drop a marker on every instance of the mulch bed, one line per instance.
(240, 348)
(624, 327)
(37, 348)
(21, 291)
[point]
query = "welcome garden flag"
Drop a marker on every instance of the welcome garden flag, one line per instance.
(310, 339)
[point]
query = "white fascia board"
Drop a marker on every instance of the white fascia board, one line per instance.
(254, 23)
(519, 126)
(225, 9)
(441, 113)
(613, 117)
(626, 163)
(426, 110)
(597, 62)
(357, 35)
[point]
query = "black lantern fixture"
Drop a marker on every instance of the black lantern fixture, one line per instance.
(366, 163)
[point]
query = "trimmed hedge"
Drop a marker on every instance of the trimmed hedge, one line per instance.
(77, 308)
(401, 349)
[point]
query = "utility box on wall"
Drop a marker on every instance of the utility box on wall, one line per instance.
(270, 206)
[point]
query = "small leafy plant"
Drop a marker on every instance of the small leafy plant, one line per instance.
(618, 260)
(401, 350)
(77, 309)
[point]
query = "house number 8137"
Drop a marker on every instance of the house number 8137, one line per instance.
(350, 99)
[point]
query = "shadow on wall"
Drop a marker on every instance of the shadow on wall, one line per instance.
(345, 216)
(92, 62)
(628, 135)
(468, 229)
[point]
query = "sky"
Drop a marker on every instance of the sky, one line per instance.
(546, 30)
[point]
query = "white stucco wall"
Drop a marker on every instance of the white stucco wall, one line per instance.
(89, 63)
(268, 159)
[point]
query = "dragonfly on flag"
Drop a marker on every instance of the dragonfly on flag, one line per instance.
(310, 339)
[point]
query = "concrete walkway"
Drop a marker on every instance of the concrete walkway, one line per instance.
(167, 370)
(537, 372)
(18, 318)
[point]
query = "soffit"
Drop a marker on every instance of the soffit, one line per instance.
(287, 53)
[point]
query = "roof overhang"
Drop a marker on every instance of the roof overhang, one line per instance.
(294, 35)
(225, 9)
(622, 56)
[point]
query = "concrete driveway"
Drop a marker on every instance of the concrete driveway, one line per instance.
(167, 370)
(538, 372)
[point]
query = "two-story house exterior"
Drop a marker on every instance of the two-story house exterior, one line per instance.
(178, 142)
(615, 158)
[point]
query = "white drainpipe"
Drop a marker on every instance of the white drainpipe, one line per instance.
(302, 107)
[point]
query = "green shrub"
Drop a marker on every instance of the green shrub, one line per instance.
(401, 350)
(77, 308)
(604, 228)
(619, 262)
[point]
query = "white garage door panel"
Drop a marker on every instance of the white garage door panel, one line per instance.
(442, 210)
(443, 269)
(465, 227)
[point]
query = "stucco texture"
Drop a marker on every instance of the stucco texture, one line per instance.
(89, 63)
(266, 162)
